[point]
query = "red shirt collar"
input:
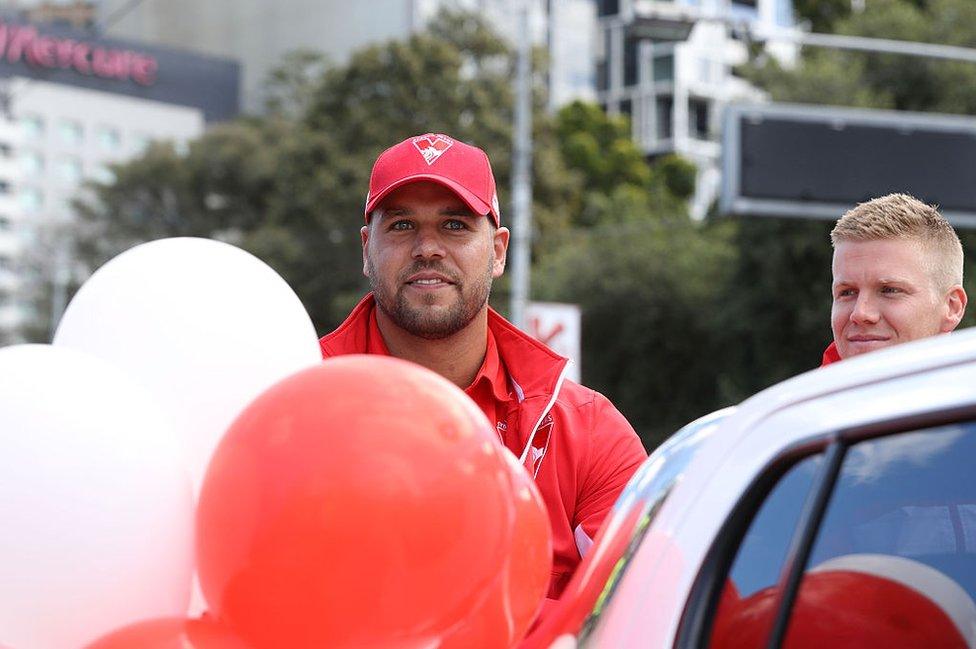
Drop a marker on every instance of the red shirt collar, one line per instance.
(492, 371)
(830, 355)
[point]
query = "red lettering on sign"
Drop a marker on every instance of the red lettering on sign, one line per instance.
(535, 328)
(43, 52)
(65, 49)
(144, 69)
(19, 40)
(79, 58)
(23, 43)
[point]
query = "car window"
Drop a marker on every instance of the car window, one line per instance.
(743, 619)
(894, 559)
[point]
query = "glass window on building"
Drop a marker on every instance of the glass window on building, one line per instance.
(103, 174)
(31, 199)
(6, 150)
(32, 163)
(665, 106)
(6, 263)
(141, 142)
(602, 75)
(5, 224)
(626, 107)
(69, 170)
(71, 131)
(631, 47)
(664, 67)
(603, 61)
(698, 118)
(607, 7)
(108, 138)
(32, 127)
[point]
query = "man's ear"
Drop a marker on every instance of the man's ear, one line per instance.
(955, 302)
(500, 245)
(364, 235)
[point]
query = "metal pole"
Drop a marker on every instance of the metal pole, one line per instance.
(522, 172)
(883, 45)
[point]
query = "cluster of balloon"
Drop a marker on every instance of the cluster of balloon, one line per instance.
(105, 434)
(859, 600)
(367, 502)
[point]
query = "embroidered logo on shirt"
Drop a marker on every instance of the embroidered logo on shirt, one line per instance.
(540, 444)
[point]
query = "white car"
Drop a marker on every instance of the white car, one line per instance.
(835, 509)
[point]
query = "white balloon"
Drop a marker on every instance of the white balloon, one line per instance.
(96, 505)
(205, 326)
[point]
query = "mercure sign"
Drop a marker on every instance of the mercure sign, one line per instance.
(24, 43)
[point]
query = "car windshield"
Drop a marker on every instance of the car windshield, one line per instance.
(648, 490)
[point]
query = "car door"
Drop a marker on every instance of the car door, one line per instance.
(865, 539)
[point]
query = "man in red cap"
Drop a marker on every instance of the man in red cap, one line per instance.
(432, 245)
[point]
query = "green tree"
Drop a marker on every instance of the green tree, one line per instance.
(649, 289)
(826, 76)
(599, 149)
(773, 313)
(642, 272)
(822, 14)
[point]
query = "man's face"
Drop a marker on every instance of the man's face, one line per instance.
(885, 294)
(430, 260)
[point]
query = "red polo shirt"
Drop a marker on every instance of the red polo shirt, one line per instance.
(489, 389)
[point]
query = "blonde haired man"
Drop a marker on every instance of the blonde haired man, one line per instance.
(897, 273)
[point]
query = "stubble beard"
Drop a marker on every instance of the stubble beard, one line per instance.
(426, 321)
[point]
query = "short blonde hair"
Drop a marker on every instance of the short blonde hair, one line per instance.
(900, 216)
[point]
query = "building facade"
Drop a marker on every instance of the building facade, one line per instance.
(668, 65)
(71, 105)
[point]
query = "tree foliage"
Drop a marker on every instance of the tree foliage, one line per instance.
(649, 290)
(822, 14)
(826, 76)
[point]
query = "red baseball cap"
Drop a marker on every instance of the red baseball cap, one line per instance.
(462, 168)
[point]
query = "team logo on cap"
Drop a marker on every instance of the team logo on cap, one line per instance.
(432, 146)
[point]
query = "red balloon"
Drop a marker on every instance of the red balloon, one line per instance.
(850, 609)
(515, 598)
(171, 633)
(363, 502)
